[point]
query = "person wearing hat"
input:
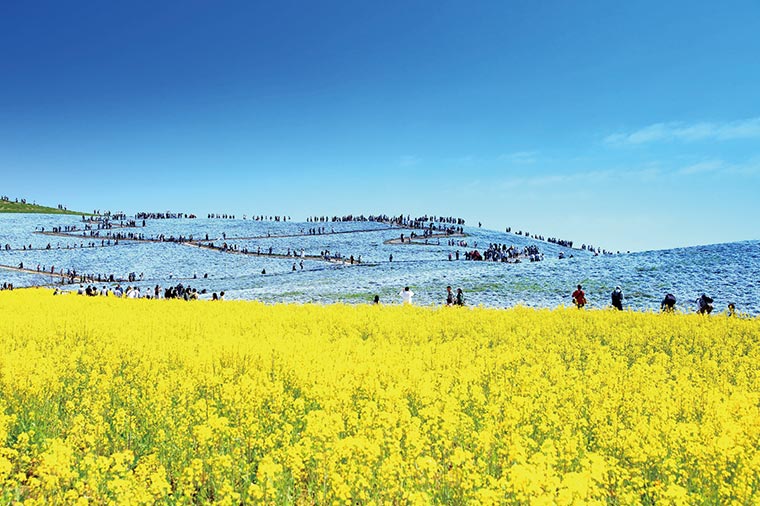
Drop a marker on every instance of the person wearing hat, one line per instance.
(617, 298)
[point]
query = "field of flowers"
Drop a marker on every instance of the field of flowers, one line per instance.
(105, 400)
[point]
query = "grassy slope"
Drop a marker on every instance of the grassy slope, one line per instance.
(14, 207)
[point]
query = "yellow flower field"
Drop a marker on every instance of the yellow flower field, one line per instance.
(114, 401)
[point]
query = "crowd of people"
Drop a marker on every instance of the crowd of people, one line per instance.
(90, 226)
(424, 227)
(447, 224)
(256, 217)
(178, 291)
(105, 216)
(425, 236)
(704, 303)
(6, 198)
(168, 215)
(49, 246)
(560, 242)
(552, 240)
(326, 255)
(407, 294)
(504, 253)
(418, 222)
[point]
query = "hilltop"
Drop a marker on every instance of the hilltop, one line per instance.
(7, 206)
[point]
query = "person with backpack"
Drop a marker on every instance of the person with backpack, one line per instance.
(617, 298)
(704, 304)
(579, 298)
(668, 304)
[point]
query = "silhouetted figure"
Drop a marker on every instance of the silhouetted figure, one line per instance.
(704, 304)
(617, 298)
(668, 304)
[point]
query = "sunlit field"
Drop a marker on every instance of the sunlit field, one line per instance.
(106, 400)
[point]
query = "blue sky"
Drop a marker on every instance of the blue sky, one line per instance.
(629, 125)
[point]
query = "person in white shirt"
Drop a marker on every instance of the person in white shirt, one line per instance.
(406, 295)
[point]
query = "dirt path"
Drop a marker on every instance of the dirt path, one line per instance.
(295, 258)
(420, 241)
(83, 234)
(58, 275)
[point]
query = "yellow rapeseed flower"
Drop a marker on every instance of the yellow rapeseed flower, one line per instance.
(114, 401)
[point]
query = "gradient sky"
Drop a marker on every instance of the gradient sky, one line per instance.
(628, 125)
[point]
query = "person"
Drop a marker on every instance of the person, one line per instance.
(376, 300)
(449, 296)
(460, 297)
(731, 309)
(579, 297)
(214, 296)
(704, 304)
(221, 295)
(668, 304)
(617, 298)
(390, 258)
(406, 295)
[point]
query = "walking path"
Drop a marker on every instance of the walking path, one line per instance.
(309, 235)
(342, 260)
(84, 235)
(59, 275)
(421, 240)
(59, 248)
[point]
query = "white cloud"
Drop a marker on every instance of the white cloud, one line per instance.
(689, 132)
(557, 179)
(702, 167)
(646, 174)
(519, 157)
(749, 168)
(408, 161)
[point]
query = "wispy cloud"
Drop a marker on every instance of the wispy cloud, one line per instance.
(702, 167)
(640, 175)
(750, 168)
(557, 179)
(519, 157)
(689, 132)
(408, 161)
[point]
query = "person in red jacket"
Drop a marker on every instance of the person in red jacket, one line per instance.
(579, 298)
